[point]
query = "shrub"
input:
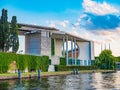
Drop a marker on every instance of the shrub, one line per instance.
(62, 61)
(70, 68)
(45, 63)
(106, 60)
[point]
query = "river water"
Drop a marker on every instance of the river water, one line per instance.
(85, 81)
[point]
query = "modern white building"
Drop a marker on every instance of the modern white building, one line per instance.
(55, 44)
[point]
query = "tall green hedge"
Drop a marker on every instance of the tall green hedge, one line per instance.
(62, 61)
(23, 62)
(93, 62)
(71, 68)
(45, 63)
(4, 62)
(118, 58)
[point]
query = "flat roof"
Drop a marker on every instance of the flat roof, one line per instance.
(33, 27)
(56, 33)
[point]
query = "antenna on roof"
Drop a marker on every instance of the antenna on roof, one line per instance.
(105, 46)
(101, 48)
(109, 46)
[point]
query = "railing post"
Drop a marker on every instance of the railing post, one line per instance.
(39, 73)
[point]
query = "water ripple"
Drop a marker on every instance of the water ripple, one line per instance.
(85, 81)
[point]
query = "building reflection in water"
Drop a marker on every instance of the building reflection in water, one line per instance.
(84, 81)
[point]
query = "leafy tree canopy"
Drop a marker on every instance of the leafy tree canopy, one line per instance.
(106, 60)
(8, 33)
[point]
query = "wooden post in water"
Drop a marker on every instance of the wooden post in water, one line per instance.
(19, 73)
(39, 73)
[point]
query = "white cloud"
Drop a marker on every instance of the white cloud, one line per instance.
(58, 24)
(34, 24)
(98, 8)
(79, 20)
(52, 25)
(77, 24)
(100, 37)
(75, 32)
(64, 23)
(81, 16)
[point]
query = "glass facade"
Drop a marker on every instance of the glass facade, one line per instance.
(79, 62)
(34, 46)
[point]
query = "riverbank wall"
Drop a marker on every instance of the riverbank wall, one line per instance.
(9, 76)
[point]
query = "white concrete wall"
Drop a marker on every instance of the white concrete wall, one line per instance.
(45, 44)
(84, 53)
(92, 50)
(58, 47)
(55, 60)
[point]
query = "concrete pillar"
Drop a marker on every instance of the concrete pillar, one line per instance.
(72, 48)
(63, 52)
(66, 50)
(75, 50)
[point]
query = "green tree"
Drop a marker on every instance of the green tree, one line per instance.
(106, 60)
(14, 35)
(4, 32)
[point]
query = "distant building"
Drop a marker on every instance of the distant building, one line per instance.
(70, 53)
(38, 41)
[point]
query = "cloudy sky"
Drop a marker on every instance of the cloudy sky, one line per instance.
(97, 20)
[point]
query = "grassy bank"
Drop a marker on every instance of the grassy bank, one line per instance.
(44, 74)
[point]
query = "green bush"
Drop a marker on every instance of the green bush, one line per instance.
(4, 62)
(32, 63)
(118, 59)
(70, 68)
(93, 62)
(45, 63)
(106, 60)
(23, 62)
(62, 61)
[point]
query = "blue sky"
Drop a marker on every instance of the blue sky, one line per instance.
(97, 20)
(43, 5)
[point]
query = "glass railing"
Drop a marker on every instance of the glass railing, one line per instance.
(79, 62)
